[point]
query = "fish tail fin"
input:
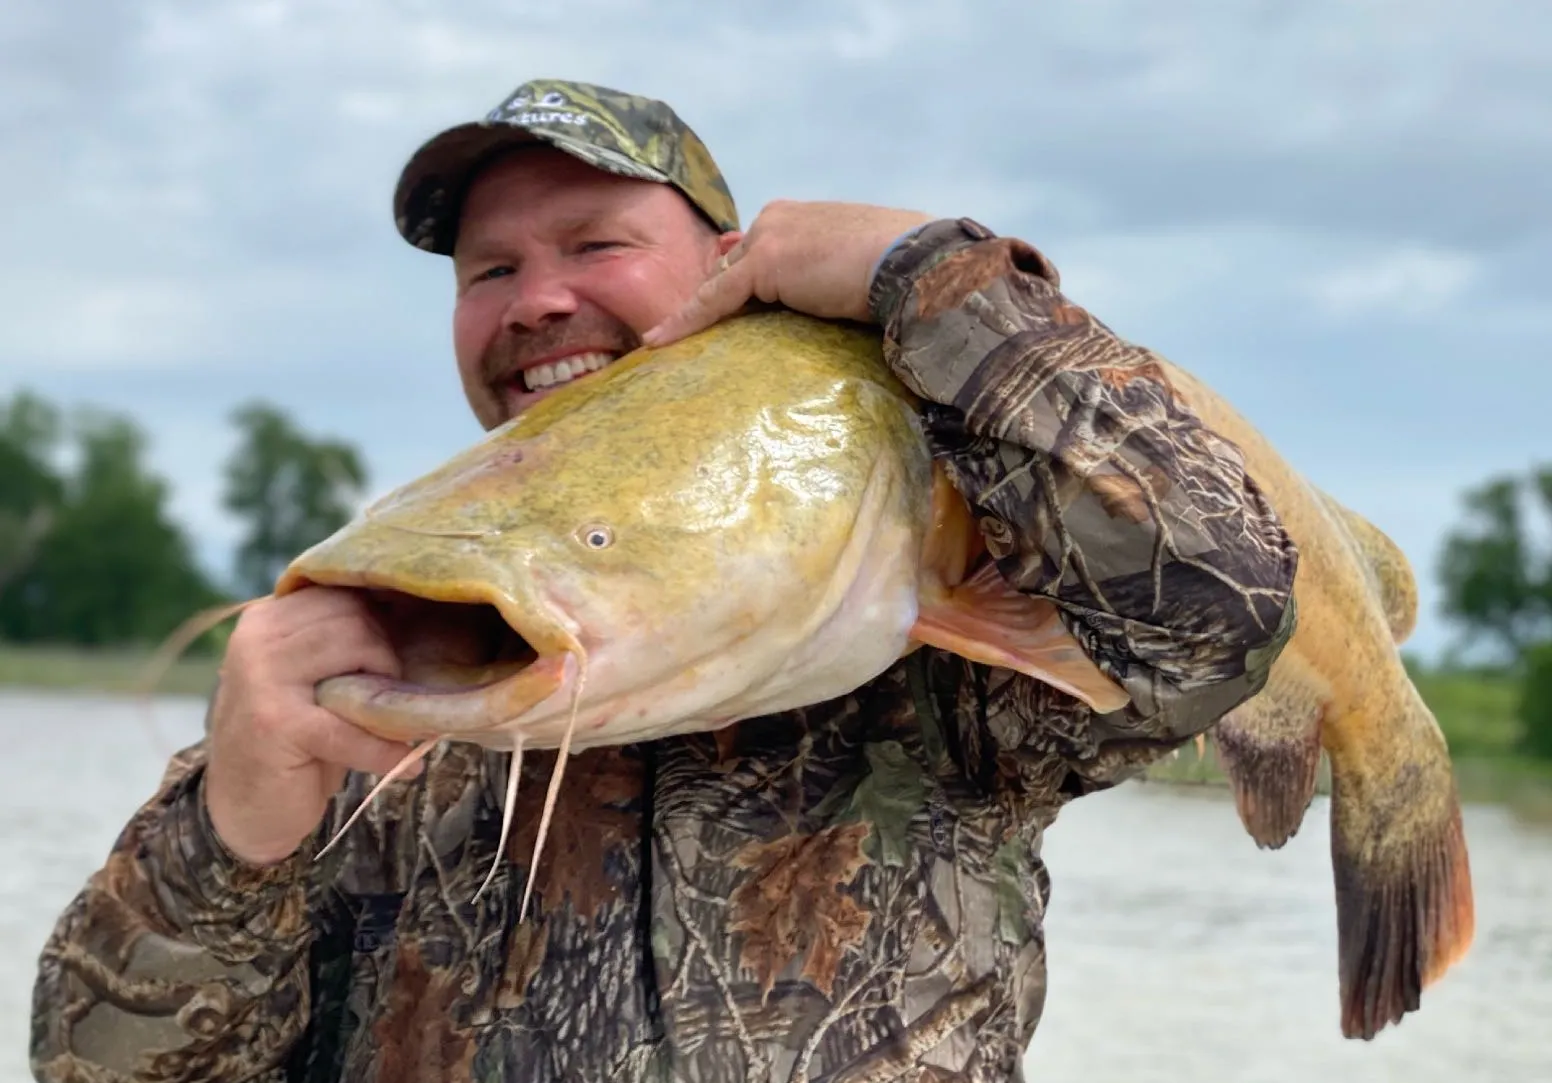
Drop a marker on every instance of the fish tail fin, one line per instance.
(1405, 910)
(1269, 749)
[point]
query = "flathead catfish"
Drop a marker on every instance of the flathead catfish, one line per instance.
(1405, 906)
(736, 525)
(750, 520)
(693, 536)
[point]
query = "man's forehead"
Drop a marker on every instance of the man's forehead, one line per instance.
(566, 198)
(544, 174)
(557, 211)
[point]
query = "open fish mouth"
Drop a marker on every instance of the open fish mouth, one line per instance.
(474, 661)
(467, 668)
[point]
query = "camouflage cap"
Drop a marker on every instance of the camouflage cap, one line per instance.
(622, 133)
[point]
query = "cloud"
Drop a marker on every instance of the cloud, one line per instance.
(1333, 211)
(125, 323)
(1406, 282)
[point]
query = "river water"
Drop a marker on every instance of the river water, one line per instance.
(1178, 952)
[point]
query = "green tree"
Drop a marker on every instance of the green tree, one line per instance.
(1497, 580)
(113, 568)
(1536, 701)
(31, 489)
(291, 490)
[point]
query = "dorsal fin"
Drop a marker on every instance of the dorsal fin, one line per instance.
(1387, 567)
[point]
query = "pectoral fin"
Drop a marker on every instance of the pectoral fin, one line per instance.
(1269, 747)
(986, 620)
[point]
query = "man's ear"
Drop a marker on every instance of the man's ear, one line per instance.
(720, 247)
(726, 241)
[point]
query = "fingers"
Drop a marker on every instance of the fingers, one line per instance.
(342, 643)
(730, 288)
(303, 638)
(267, 708)
(276, 757)
(816, 258)
(332, 740)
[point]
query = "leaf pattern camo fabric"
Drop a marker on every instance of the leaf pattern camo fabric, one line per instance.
(848, 893)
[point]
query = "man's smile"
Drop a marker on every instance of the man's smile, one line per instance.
(534, 380)
(563, 370)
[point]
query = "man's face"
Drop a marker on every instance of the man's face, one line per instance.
(560, 269)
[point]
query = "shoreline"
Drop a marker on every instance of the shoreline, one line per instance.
(116, 672)
(1475, 711)
(1517, 783)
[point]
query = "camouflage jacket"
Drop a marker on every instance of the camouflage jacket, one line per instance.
(848, 893)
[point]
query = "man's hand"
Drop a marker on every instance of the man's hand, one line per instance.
(276, 757)
(816, 258)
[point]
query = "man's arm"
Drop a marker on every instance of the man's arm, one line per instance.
(186, 956)
(1094, 485)
(176, 961)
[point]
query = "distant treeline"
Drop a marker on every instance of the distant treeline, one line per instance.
(91, 556)
(1496, 573)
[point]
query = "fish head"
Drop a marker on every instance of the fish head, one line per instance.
(714, 530)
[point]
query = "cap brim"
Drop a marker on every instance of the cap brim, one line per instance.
(428, 199)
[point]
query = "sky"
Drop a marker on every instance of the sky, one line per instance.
(1328, 211)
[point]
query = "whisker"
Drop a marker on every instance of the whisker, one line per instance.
(414, 756)
(514, 774)
(179, 639)
(170, 650)
(555, 777)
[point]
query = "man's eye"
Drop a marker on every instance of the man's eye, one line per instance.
(598, 246)
(493, 272)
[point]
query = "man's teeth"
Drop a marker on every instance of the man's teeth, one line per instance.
(564, 370)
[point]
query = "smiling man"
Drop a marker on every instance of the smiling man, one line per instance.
(849, 892)
(560, 268)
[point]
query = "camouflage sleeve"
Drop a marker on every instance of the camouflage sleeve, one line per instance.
(1094, 485)
(176, 961)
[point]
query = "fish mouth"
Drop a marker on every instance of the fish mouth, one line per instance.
(470, 665)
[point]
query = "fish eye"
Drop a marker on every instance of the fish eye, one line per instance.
(596, 536)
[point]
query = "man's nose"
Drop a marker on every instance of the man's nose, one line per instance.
(538, 295)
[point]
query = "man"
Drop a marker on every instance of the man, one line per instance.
(849, 892)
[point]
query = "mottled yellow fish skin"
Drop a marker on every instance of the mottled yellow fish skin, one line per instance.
(1405, 909)
(741, 489)
(732, 526)
(661, 433)
(726, 527)
(749, 520)
(764, 488)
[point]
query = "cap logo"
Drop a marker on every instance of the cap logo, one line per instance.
(552, 107)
